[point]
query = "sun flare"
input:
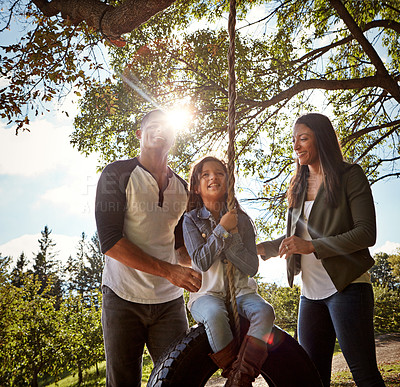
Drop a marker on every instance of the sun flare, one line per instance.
(181, 115)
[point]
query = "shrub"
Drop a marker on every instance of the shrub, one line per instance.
(387, 309)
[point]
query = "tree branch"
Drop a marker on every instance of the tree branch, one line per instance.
(111, 21)
(387, 81)
(10, 16)
(308, 84)
(312, 55)
(385, 177)
(376, 142)
(364, 131)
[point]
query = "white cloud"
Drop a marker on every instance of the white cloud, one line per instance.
(28, 243)
(46, 147)
(77, 196)
(388, 248)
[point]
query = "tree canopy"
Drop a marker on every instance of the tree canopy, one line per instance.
(348, 50)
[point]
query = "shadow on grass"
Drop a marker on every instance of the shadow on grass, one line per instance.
(93, 376)
(390, 374)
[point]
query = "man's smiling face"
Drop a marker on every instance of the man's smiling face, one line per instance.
(157, 132)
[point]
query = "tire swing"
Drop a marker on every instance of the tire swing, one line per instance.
(186, 362)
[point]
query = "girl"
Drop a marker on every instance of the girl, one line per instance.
(214, 236)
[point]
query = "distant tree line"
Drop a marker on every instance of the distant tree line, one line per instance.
(385, 276)
(50, 313)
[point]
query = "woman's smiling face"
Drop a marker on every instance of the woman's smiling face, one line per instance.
(304, 145)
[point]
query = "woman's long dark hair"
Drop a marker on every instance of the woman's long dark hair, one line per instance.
(330, 157)
(195, 200)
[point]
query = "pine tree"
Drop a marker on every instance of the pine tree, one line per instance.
(19, 271)
(76, 269)
(94, 270)
(46, 267)
(85, 269)
(96, 263)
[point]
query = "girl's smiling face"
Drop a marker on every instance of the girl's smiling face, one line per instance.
(212, 182)
(304, 145)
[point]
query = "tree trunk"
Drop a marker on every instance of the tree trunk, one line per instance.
(80, 374)
(35, 380)
(111, 21)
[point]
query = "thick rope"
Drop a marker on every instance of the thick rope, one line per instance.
(231, 156)
(231, 106)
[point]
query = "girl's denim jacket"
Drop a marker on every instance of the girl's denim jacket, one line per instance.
(210, 246)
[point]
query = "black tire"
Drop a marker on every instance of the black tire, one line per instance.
(187, 364)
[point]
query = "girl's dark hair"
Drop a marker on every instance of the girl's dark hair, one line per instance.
(195, 200)
(330, 157)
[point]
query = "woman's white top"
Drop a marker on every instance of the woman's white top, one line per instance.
(316, 283)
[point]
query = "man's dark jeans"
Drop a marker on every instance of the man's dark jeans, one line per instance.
(128, 326)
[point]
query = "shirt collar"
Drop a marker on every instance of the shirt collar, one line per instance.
(203, 213)
(169, 170)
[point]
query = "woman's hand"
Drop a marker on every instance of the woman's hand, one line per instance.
(260, 249)
(295, 245)
(229, 221)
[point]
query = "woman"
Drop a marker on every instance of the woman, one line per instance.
(331, 224)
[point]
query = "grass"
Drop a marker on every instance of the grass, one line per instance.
(90, 377)
(390, 374)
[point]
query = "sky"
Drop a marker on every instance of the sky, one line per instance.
(45, 181)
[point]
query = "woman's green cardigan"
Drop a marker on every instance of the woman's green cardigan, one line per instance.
(341, 235)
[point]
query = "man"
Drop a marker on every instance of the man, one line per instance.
(139, 203)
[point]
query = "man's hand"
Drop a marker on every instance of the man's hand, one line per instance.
(184, 277)
(131, 255)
